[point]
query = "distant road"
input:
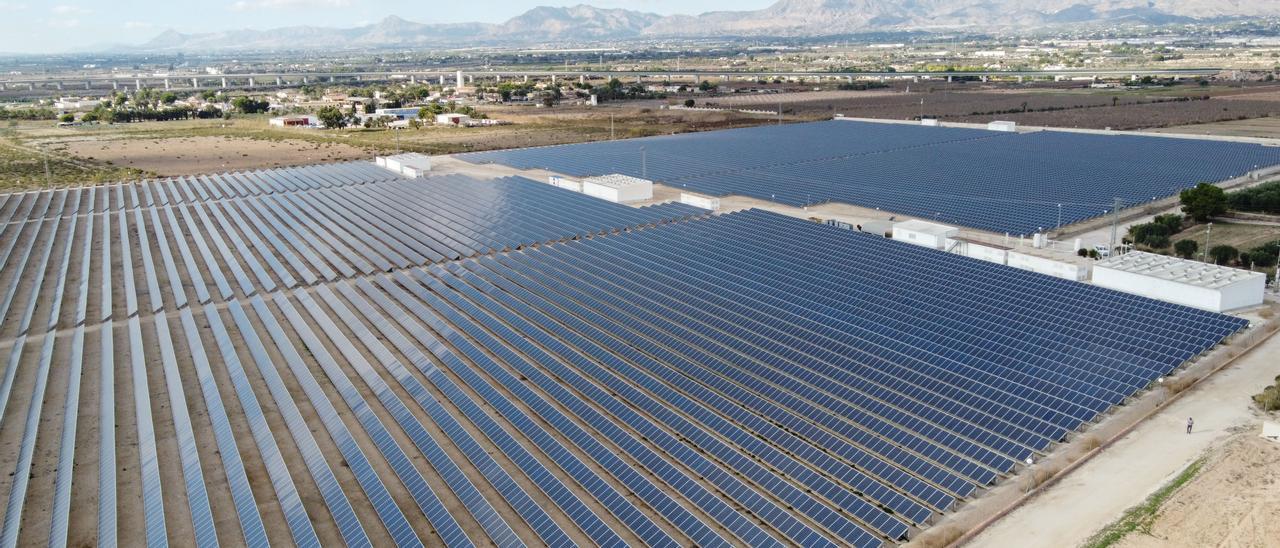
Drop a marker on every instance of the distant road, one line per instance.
(268, 79)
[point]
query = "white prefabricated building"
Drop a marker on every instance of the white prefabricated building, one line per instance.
(1000, 125)
(409, 164)
(698, 200)
(618, 188)
(924, 233)
(565, 183)
(1181, 281)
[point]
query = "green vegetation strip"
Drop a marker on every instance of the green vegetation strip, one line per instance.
(1142, 516)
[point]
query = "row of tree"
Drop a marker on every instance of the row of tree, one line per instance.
(1264, 198)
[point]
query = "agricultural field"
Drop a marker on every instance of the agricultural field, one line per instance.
(120, 151)
(1038, 106)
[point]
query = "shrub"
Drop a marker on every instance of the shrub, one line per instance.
(1269, 398)
(1223, 254)
(1264, 198)
(1082, 252)
(688, 103)
(1186, 248)
(1203, 201)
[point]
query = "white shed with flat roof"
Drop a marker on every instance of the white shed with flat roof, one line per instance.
(1181, 281)
(924, 233)
(618, 188)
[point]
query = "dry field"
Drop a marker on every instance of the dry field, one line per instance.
(1231, 502)
(1041, 106)
(192, 155)
(1268, 127)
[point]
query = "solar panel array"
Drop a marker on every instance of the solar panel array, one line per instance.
(381, 361)
(1020, 183)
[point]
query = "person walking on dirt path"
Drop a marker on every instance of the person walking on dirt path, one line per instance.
(1190, 422)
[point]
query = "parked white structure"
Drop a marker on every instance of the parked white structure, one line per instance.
(452, 119)
(698, 200)
(565, 183)
(924, 233)
(409, 164)
(1171, 279)
(1078, 271)
(618, 188)
(1002, 126)
(300, 120)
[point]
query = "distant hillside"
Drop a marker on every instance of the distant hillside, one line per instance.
(784, 18)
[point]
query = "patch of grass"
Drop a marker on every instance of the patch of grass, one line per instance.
(24, 169)
(1269, 398)
(1141, 517)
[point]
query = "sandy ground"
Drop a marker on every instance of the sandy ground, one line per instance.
(1231, 502)
(191, 155)
(1126, 473)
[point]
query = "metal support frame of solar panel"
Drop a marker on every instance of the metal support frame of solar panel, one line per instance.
(870, 421)
(710, 503)
(611, 499)
(622, 347)
(872, 515)
(733, 435)
(21, 474)
(569, 502)
(783, 521)
(1231, 325)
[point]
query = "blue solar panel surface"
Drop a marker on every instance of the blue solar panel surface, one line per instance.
(997, 181)
(460, 362)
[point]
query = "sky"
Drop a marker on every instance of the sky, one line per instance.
(56, 26)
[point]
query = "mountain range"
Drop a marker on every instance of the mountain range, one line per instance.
(786, 18)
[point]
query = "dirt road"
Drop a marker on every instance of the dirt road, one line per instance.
(1137, 465)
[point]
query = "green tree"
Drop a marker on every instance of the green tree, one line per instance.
(706, 86)
(67, 118)
(1223, 254)
(689, 103)
(169, 98)
(1186, 248)
(249, 105)
(1203, 202)
(332, 117)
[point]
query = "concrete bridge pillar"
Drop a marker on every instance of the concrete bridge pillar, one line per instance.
(88, 84)
(1019, 78)
(412, 79)
(137, 83)
(251, 82)
(224, 82)
(115, 84)
(458, 82)
(497, 78)
(948, 79)
(195, 83)
(166, 83)
(526, 78)
(582, 79)
(471, 79)
(59, 86)
(279, 81)
(442, 79)
(553, 79)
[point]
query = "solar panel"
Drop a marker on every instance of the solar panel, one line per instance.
(1019, 183)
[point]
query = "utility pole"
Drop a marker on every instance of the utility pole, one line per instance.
(1115, 224)
(1207, 231)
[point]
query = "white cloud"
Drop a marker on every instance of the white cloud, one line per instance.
(64, 23)
(251, 5)
(12, 6)
(69, 10)
(138, 25)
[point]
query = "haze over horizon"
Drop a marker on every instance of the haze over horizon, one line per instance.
(30, 27)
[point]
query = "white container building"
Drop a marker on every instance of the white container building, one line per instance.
(1181, 281)
(409, 164)
(1002, 126)
(618, 188)
(565, 183)
(924, 233)
(698, 200)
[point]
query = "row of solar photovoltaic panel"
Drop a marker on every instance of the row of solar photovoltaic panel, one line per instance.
(264, 339)
(204, 188)
(762, 423)
(335, 233)
(1020, 183)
